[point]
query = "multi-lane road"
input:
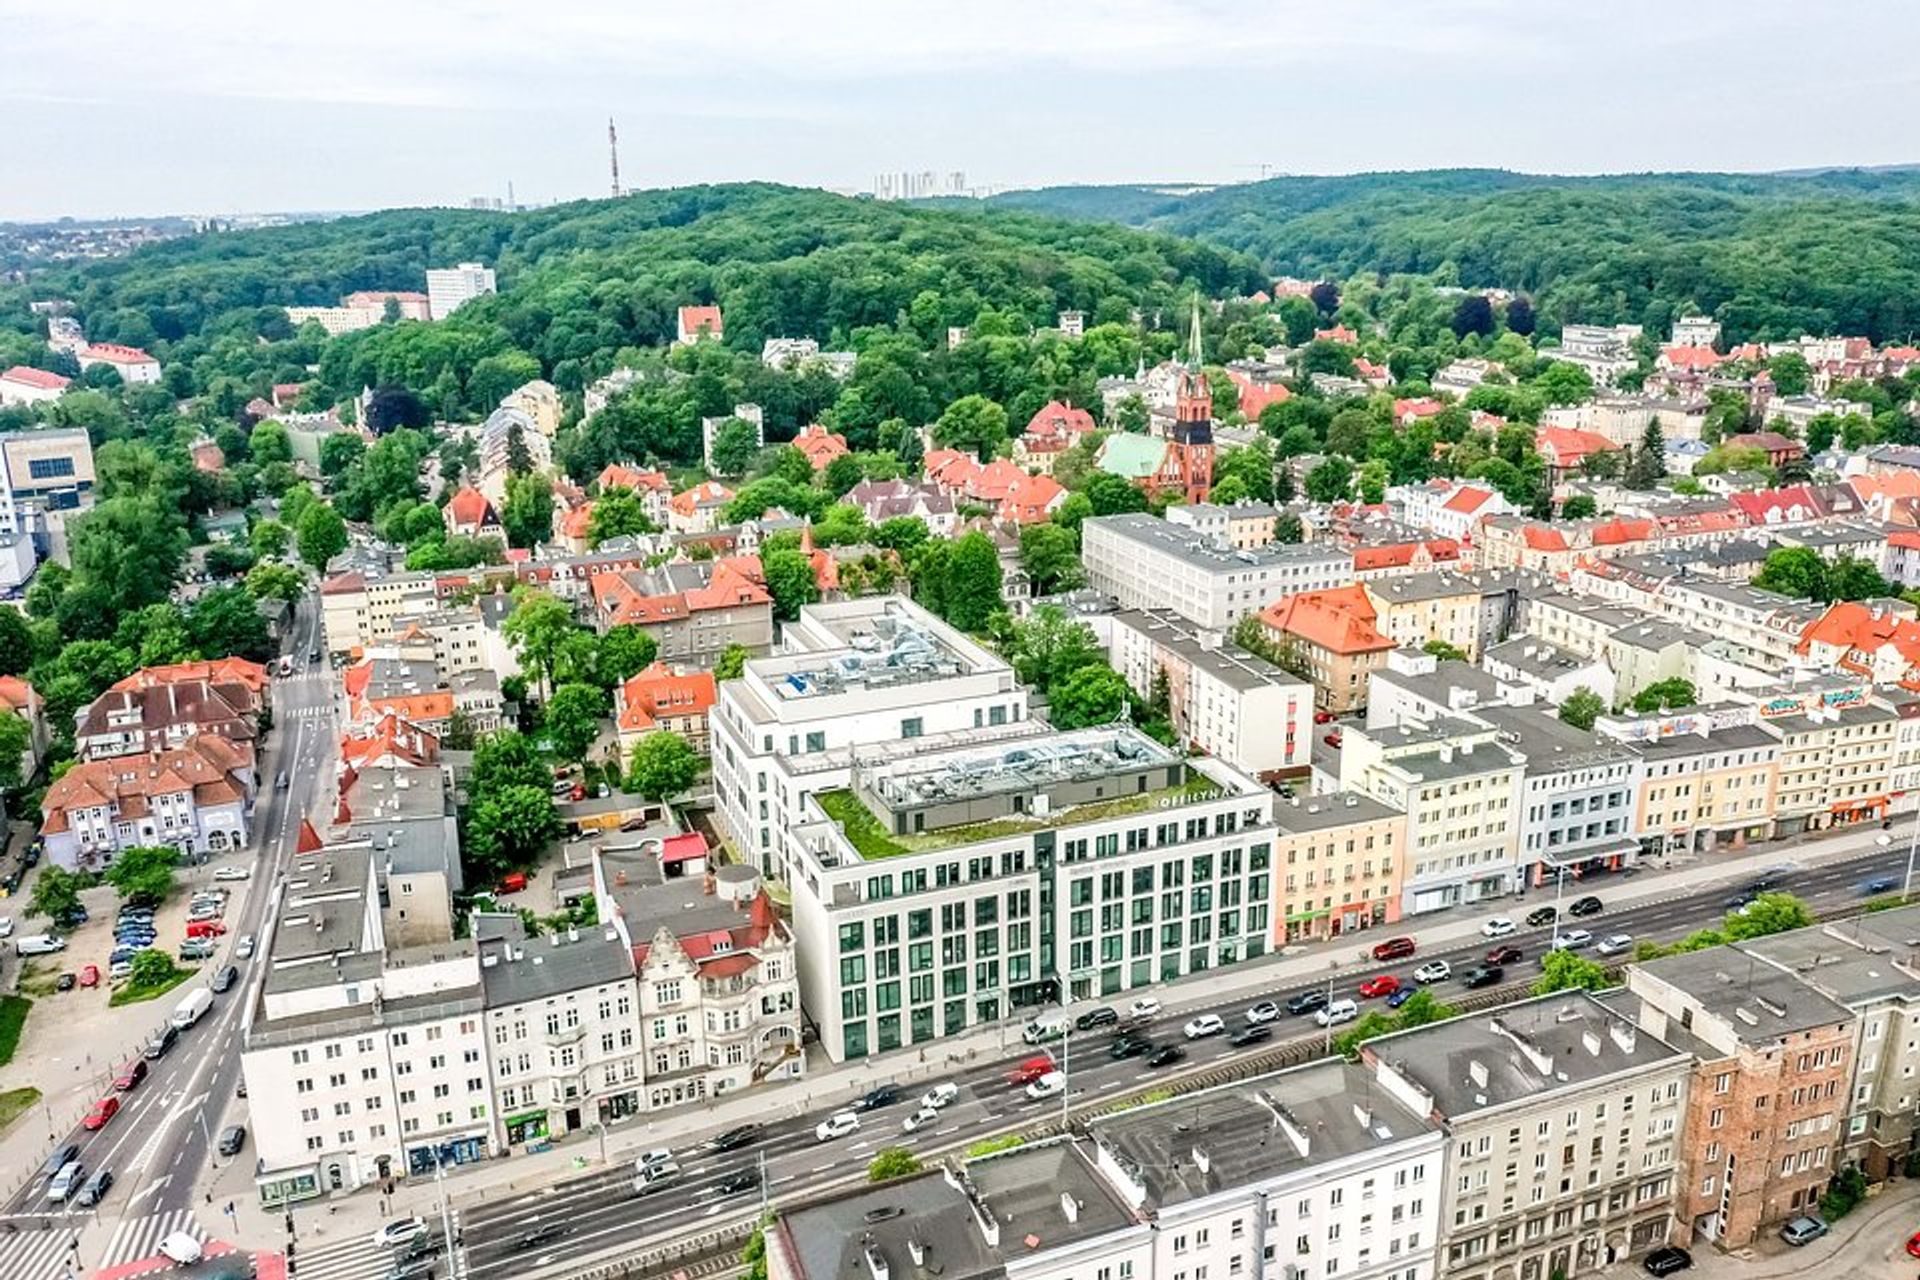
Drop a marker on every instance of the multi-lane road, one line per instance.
(512, 1234)
(159, 1145)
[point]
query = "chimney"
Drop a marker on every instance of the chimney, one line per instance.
(1069, 1206)
(917, 1250)
(1623, 1035)
(1201, 1160)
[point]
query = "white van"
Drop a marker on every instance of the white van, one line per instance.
(1048, 1026)
(39, 944)
(188, 1011)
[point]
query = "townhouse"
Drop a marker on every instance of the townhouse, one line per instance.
(1339, 866)
(196, 797)
(1330, 637)
(694, 610)
(1708, 776)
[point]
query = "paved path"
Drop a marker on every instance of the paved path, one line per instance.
(1868, 1244)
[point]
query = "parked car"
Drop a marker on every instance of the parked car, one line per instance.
(65, 982)
(1572, 940)
(89, 975)
(196, 949)
(1250, 1035)
(1166, 1055)
(1498, 927)
(1433, 971)
(837, 1125)
(119, 970)
(130, 1075)
(1615, 944)
(881, 1095)
(1384, 984)
(1393, 949)
(6, 926)
(205, 929)
(1804, 1229)
(232, 1138)
(1265, 1011)
(1337, 1012)
(232, 873)
(1485, 975)
(1207, 1024)
(1508, 954)
(103, 1111)
(1913, 1245)
(1666, 1260)
(1144, 1007)
(1307, 1002)
(1587, 906)
(1540, 917)
(1104, 1016)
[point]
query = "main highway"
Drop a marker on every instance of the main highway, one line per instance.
(545, 1228)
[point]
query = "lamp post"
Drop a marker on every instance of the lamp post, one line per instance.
(446, 1216)
(1913, 846)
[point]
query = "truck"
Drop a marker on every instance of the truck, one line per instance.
(188, 1011)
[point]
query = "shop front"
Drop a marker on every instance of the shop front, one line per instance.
(528, 1126)
(445, 1154)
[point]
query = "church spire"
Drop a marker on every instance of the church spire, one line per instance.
(1193, 336)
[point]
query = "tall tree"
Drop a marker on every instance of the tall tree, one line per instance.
(322, 535)
(662, 766)
(972, 423)
(790, 581)
(527, 514)
(572, 719)
(538, 629)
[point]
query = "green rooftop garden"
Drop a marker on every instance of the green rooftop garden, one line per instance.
(869, 835)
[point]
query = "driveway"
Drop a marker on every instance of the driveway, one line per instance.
(1868, 1244)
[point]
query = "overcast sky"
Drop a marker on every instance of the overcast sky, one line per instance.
(224, 106)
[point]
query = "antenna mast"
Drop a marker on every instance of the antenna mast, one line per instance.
(613, 156)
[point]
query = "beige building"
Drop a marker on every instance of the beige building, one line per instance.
(360, 606)
(1338, 862)
(1836, 761)
(43, 471)
(1708, 776)
(1418, 609)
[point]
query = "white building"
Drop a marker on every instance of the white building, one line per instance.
(43, 471)
(450, 288)
(1695, 331)
(360, 606)
(22, 385)
(131, 363)
(1148, 563)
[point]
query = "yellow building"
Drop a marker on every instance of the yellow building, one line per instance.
(1708, 780)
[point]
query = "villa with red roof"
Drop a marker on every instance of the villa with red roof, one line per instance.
(1256, 395)
(699, 509)
(658, 699)
(193, 797)
(694, 610)
(697, 323)
(1566, 449)
(24, 385)
(1395, 559)
(653, 488)
(1339, 333)
(1690, 359)
(820, 445)
(1449, 508)
(468, 514)
(1408, 412)
(1056, 428)
(131, 363)
(1867, 640)
(1334, 633)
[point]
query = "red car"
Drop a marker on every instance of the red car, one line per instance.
(205, 929)
(1384, 985)
(1323, 717)
(90, 975)
(1394, 949)
(131, 1075)
(1508, 954)
(104, 1110)
(1332, 740)
(1913, 1244)
(1032, 1069)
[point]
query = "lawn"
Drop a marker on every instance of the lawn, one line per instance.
(13, 1018)
(15, 1103)
(38, 976)
(135, 992)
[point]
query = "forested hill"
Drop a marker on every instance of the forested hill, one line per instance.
(1770, 255)
(580, 282)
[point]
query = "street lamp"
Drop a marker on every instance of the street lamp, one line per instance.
(1913, 845)
(446, 1216)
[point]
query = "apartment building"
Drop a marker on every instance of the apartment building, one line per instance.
(1423, 608)
(1332, 637)
(1836, 755)
(196, 798)
(1220, 698)
(450, 288)
(360, 606)
(141, 718)
(1148, 563)
(1563, 1123)
(851, 674)
(42, 471)
(23, 385)
(695, 610)
(455, 638)
(1244, 526)
(1553, 674)
(1339, 861)
(131, 363)
(1054, 867)
(1767, 1106)
(1578, 794)
(1459, 786)
(656, 699)
(1708, 776)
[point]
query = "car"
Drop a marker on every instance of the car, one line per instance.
(1540, 917)
(1384, 984)
(1144, 1007)
(1804, 1229)
(940, 1095)
(129, 1076)
(1323, 717)
(196, 949)
(1337, 1012)
(65, 982)
(1913, 1245)
(1666, 1260)
(66, 1181)
(1129, 1046)
(1166, 1055)
(399, 1232)
(1884, 884)
(1207, 1024)
(280, 783)
(415, 1267)
(1485, 975)
(60, 1158)
(648, 1159)
(232, 873)
(243, 949)
(1498, 927)
(103, 1111)
(1332, 740)
(1508, 954)
(119, 969)
(837, 1125)
(540, 1235)
(1740, 901)
(1393, 949)
(1104, 1016)
(89, 975)
(1587, 906)
(881, 1095)
(161, 1040)
(1249, 1035)
(1615, 944)
(920, 1119)
(656, 1177)
(180, 1248)
(1049, 1085)
(1572, 940)
(1031, 1069)
(1433, 971)
(738, 1183)
(223, 978)
(6, 926)
(1265, 1011)
(737, 1137)
(1307, 1002)
(1401, 996)
(232, 1138)
(94, 1190)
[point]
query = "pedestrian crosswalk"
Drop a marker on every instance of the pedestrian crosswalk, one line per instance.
(358, 1258)
(136, 1238)
(36, 1254)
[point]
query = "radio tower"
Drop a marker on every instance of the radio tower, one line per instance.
(613, 156)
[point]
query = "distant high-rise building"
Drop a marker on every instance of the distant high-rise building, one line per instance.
(449, 288)
(921, 184)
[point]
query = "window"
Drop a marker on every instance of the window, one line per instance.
(910, 727)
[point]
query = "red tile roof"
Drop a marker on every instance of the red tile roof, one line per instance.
(698, 319)
(1058, 422)
(1691, 357)
(1398, 555)
(469, 508)
(1255, 396)
(217, 671)
(820, 445)
(657, 692)
(31, 377)
(1339, 621)
(704, 493)
(114, 353)
(16, 693)
(1468, 500)
(207, 766)
(618, 476)
(1569, 446)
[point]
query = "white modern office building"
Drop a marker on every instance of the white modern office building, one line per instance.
(1145, 562)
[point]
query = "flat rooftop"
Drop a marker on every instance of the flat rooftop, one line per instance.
(1759, 1002)
(1305, 814)
(1202, 552)
(1228, 663)
(1030, 766)
(1869, 957)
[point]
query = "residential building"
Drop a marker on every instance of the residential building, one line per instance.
(1044, 868)
(696, 323)
(1836, 753)
(820, 445)
(1244, 526)
(47, 470)
(131, 363)
(21, 385)
(694, 610)
(1553, 674)
(1055, 428)
(1695, 331)
(883, 500)
(1145, 562)
(1708, 776)
(656, 699)
(1449, 508)
(850, 675)
(363, 310)
(699, 509)
(1331, 637)
(450, 288)
(653, 488)
(1418, 609)
(195, 797)
(1339, 862)
(360, 606)
(1578, 795)
(136, 719)
(1766, 1110)
(1220, 698)
(1563, 1123)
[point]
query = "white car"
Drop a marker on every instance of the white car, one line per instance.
(1433, 971)
(924, 1116)
(1615, 943)
(647, 1160)
(404, 1231)
(1207, 1024)
(232, 873)
(940, 1095)
(180, 1249)
(1049, 1085)
(1264, 1012)
(837, 1125)
(1342, 1010)
(1572, 940)
(1144, 1007)
(243, 949)
(1498, 927)
(6, 926)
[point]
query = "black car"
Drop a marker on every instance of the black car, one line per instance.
(1587, 906)
(1739, 900)
(1540, 916)
(1885, 884)
(542, 1234)
(1129, 1047)
(1666, 1260)
(95, 1189)
(1503, 955)
(232, 1138)
(1250, 1035)
(881, 1095)
(1166, 1055)
(224, 978)
(1307, 1002)
(1485, 975)
(741, 1136)
(62, 1156)
(1104, 1016)
(65, 982)
(739, 1182)
(161, 1041)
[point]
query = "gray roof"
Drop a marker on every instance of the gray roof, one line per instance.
(1549, 743)
(1521, 1052)
(1758, 1002)
(1255, 1132)
(1320, 813)
(1537, 657)
(1867, 958)
(1023, 1190)
(830, 1240)
(1656, 634)
(1732, 737)
(515, 968)
(648, 899)
(1228, 663)
(1435, 584)
(1197, 549)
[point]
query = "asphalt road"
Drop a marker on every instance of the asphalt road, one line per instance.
(506, 1234)
(159, 1143)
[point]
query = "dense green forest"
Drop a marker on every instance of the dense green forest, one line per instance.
(1769, 255)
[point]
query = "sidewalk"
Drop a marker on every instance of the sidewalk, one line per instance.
(360, 1212)
(1868, 1244)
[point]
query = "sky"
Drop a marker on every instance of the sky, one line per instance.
(231, 106)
